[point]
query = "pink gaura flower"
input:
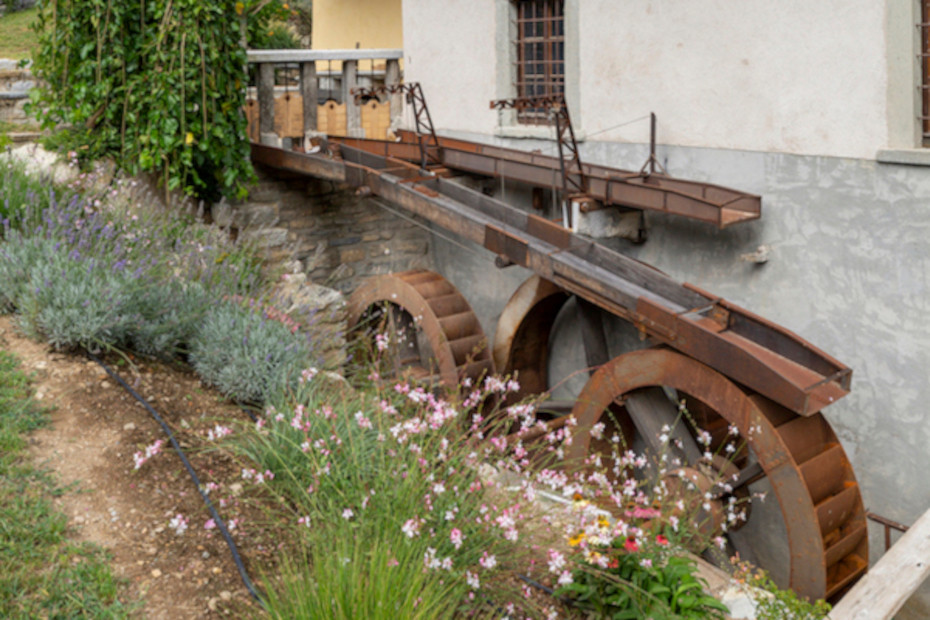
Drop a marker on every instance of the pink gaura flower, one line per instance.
(456, 537)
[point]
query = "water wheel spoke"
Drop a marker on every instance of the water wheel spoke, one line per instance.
(660, 425)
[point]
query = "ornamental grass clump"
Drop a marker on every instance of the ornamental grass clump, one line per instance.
(388, 489)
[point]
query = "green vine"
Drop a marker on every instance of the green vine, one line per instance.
(159, 85)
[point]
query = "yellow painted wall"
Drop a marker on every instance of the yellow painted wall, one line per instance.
(341, 24)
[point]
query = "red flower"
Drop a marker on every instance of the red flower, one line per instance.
(614, 563)
(661, 540)
(631, 545)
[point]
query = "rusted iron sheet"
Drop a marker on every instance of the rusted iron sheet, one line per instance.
(613, 185)
(313, 165)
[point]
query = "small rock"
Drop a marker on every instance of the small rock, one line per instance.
(212, 603)
(217, 570)
(129, 427)
(235, 489)
(40, 365)
(79, 519)
(156, 573)
(205, 555)
(225, 595)
(106, 384)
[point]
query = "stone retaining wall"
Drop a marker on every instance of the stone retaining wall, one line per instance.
(15, 84)
(338, 238)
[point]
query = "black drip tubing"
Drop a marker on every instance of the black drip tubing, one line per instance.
(220, 524)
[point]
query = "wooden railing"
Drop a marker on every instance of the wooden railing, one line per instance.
(302, 93)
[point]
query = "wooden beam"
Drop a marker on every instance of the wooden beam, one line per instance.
(887, 586)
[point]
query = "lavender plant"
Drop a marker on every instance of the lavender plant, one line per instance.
(247, 354)
(82, 273)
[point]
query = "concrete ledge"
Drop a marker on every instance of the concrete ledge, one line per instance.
(302, 55)
(908, 157)
(532, 132)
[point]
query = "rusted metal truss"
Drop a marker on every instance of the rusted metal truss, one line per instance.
(751, 350)
(574, 182)
(426, 134)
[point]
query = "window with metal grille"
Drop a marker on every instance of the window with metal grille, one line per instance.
(924, 27)
(540, 54)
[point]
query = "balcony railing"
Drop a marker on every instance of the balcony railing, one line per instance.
(299, 94)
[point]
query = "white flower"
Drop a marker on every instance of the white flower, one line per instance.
(472, 580)
(556, 561)
(565, 579)
(347, 514)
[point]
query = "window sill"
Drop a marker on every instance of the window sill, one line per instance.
(532, 132)
(908, 157)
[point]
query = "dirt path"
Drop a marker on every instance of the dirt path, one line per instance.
(95, 429)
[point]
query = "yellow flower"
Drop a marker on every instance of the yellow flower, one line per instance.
(239, 8)
(189, 139)
(575, 540)
(286, 7)
(603, 522)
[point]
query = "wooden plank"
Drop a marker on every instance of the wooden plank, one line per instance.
(894, 578)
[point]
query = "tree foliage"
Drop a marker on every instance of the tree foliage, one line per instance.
(157, 84)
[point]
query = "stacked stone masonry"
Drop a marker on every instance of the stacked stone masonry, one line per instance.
(327, 240)
(338, 237)
(15, 84)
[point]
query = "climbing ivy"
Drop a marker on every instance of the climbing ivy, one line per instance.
(156, 84)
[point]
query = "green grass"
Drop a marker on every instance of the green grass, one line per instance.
(42, 574)
(17, 40)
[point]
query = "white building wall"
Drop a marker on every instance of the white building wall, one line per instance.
(792, 76)
(453, 54)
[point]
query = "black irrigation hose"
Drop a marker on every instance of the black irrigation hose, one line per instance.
(546, 589)
(190, 470)
(216, 517)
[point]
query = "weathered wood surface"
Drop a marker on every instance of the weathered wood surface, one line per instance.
(887, 586)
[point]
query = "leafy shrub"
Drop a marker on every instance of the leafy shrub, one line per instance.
(158, 86)
(648, 583)
(246, 354)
